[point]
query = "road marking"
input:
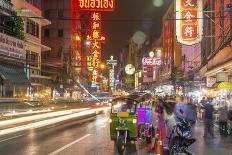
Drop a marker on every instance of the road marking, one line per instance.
(68, 145)
(10, 138)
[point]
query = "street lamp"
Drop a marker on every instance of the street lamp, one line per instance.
(102, 66)
(158, 52)
(87, 43)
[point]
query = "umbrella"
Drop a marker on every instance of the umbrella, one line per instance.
(222, 85)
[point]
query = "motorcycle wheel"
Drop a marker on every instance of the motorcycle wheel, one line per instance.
(121, 144)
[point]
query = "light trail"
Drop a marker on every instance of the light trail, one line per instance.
(51, 121)
(40, 116)
(25, 113)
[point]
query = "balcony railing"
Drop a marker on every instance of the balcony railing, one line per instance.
(6, 5)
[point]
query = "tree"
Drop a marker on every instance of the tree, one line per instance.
(16, 26)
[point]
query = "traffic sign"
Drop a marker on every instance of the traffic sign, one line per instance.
(112, 61)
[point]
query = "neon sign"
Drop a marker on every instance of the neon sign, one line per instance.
(148, 61)
(95, 37)
(96, 5)
(189, 23)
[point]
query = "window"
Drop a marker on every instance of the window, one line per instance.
(32, 58)
(60, 33)
(60, 52)
(46, 32)
(46, 54)
(32, 28)
(47, 13)
(60, 14)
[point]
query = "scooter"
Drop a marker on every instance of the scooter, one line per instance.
(181, 138)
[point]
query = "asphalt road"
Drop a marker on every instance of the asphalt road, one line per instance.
(92, 138)
(72, 138)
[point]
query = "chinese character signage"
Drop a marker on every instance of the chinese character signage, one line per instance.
(95, 36)
(189, 22)
(96, 5)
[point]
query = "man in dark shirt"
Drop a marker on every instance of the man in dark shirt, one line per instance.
(208, 118)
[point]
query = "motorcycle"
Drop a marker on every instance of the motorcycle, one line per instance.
(181, 138)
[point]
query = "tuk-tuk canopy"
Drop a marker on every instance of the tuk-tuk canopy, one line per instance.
(140, 96)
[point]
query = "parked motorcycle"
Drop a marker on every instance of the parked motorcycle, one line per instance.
(181, 138)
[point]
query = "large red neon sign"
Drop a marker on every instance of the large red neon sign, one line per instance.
(96, 5)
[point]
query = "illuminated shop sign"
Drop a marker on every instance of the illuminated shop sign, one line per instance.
(148, 61)
(96, 5)
(96, 34)
(189, 15)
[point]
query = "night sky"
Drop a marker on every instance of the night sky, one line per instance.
(131, 16)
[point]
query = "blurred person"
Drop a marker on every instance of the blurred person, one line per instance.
(200, 107)
(179, 108)
(223, 118)
(169, 114)
(190, 112)
(208, 118)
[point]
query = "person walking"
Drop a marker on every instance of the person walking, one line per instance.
(190, 112)
(200, 106)
(180, 108)
(223, 118)
(208, 118)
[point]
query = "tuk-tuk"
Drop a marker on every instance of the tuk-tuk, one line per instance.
(131, 119)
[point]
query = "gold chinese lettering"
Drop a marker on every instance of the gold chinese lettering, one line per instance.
(96, 54)
(88, 37)
(96, 34)
(96, 44)
(95, 25)
(95, 62)
(96, 16)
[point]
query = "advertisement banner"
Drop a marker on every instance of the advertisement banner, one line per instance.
(12, 47)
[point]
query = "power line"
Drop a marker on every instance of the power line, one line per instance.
(111, 20)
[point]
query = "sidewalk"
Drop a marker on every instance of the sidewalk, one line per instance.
(220, 145)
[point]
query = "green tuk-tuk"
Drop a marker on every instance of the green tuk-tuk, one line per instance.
(130, 118)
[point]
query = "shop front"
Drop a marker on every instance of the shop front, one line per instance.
(13, 78)
(218, 75)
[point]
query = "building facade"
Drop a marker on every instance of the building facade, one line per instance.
(66, 62)
(216, 45)
(13, 78)
(33, 21)
(57, 35)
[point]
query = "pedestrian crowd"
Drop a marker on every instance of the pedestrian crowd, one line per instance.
(185, 107)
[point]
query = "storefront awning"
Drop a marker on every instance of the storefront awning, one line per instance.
(15, 74)
(222, 85)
